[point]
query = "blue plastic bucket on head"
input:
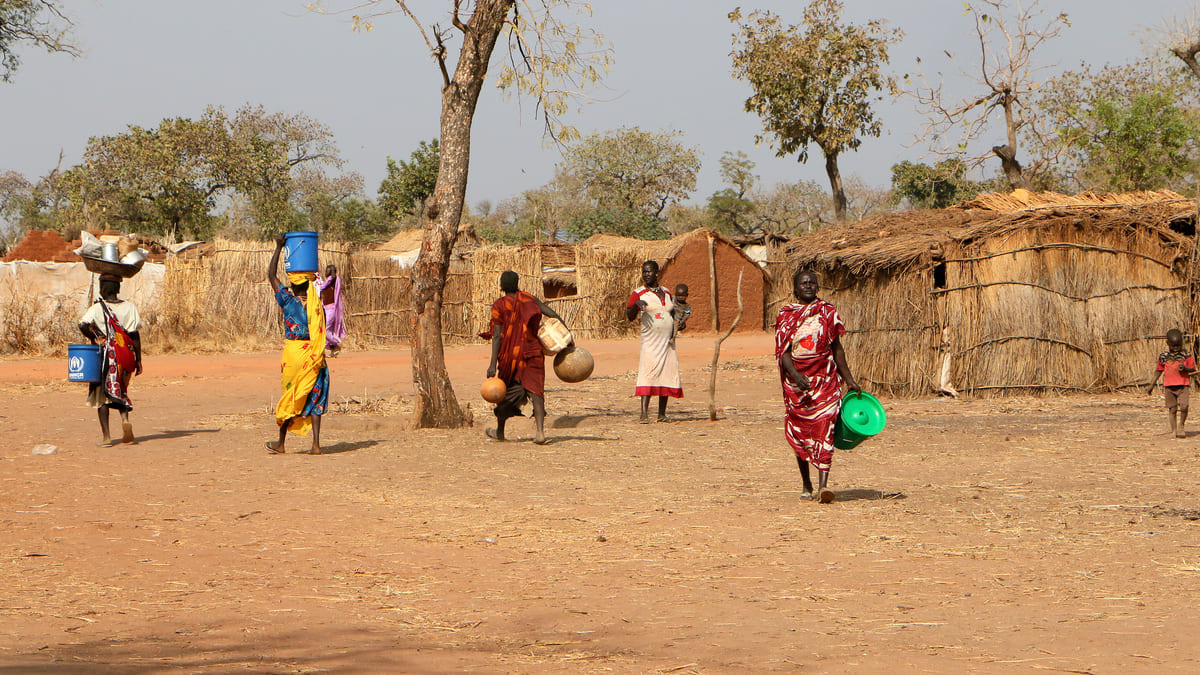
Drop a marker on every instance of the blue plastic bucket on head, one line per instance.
(300, 252)
(83, 363)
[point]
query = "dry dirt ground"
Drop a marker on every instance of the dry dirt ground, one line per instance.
(1008, 535)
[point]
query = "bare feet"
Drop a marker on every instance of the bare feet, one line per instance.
(275, 448)
(315, 451)
(492, 434)
(825, 496)
(127, 429)
(1180, 434)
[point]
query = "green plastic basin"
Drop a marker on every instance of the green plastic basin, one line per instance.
(862, 417)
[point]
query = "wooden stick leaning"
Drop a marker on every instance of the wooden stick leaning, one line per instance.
(712, 378)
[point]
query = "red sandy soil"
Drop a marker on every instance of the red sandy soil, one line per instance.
(1007, 535)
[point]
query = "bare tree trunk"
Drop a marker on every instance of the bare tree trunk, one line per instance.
(1188, 56)
(1008, 153)
(436, 404)
(835, 185)
(712, 377)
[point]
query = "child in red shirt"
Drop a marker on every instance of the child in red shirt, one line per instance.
(1176, 367)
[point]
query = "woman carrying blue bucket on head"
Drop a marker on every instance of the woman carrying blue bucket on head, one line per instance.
(812, 369)
(305, 376)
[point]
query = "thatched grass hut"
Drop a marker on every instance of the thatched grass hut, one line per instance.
(1010, 293)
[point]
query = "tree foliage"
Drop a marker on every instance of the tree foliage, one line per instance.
(408, 184)
(1125, 127)
(933, 187)
(164, 180)
(813, 84)
(171, 179)
(631, 171)
(40, 23)
(731, 207)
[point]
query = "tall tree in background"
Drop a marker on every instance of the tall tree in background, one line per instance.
(731, 207)
(164, 180)
(543, 49)
(1125, 127)
(1008, 80)
(933, 187)
(40, 23)
(633, 170)
(170, 180)
(813, 84)
(407, 185)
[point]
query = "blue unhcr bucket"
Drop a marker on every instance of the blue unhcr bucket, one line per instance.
(83, 363)
(300, 252)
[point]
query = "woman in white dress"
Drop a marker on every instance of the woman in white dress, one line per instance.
(658, 367)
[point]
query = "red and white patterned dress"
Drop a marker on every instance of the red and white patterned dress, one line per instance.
(809, 331)
(658, 365)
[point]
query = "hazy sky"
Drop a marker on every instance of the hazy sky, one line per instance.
(145, 60)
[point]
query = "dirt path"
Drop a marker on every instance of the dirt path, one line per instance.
(1020, 534)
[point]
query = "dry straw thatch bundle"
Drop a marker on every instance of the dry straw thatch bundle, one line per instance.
(221, 291)
(1023, 292)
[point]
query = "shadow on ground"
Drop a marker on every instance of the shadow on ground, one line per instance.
(368, 651)
(175, 433)
(347, 446)
(573, 421)
(857, 494)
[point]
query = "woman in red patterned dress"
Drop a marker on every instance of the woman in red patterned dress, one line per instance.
(517, 354)
(812, 369)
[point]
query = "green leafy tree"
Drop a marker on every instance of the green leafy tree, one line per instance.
(632, 171)
(350, 219)
(40, 23)
(619, 221)
(408, 184)
(161, 181)
(731, 207)
(813, 84)
(170, 180)
(294, 164)
(1125, 127)
(933, 187)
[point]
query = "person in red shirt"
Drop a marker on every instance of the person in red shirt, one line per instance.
(1176, 366)
(517, 356)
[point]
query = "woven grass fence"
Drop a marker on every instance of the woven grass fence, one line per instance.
(226, 296)
(606, 277)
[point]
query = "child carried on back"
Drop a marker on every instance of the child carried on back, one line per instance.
(1176, 367)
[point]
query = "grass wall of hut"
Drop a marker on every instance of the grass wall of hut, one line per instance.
(1023, 294)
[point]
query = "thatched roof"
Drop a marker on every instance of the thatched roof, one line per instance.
(410, 240)
(896, 240)
(662, 250)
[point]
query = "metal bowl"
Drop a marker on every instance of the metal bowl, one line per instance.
(102, 266)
